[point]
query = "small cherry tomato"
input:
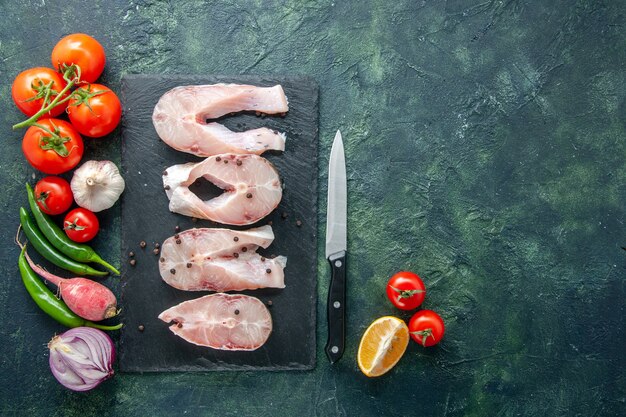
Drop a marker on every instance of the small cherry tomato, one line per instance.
(82, 50)
(406, 290)
(53, 195)
(81, 225)
(36, 87)
(53, 146)
(94, 110)
(426, 328)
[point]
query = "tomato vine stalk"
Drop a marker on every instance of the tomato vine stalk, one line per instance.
(71, 74)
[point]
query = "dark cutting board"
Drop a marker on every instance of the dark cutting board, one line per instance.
(146, 217)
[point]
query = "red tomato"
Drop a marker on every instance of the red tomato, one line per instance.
(54, 150)
(53, 195)
(30, 88)
(81, 225)
(94, 110)
(406, 290)
(82, 50)
(426, 328)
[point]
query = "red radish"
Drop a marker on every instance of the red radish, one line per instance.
(89, 299)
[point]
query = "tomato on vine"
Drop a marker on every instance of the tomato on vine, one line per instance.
(94, 110)
(52, 146)
(83, 51)
(35, 88)
(406, 290)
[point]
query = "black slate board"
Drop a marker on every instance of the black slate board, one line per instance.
(145, 216)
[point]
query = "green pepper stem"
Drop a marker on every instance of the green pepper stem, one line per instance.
(103, 327)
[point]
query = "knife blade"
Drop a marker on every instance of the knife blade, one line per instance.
(336, 249)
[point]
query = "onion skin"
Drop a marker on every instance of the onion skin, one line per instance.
(81, 358)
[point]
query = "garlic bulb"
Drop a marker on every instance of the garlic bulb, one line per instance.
(97, 185)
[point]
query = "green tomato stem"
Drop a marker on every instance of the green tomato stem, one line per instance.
(57, 100)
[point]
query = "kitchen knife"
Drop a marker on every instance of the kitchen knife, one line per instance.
(336, 247)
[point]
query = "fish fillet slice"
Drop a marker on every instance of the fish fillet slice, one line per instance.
(181, 113)
(221, 321)
(205, 260)
(251, 184)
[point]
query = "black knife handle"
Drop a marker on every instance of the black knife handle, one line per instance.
(336, 307)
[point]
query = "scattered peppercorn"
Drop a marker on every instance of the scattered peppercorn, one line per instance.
(239, 162)
(178, 241)
(179, 325)
(236, 312)
(262, 259)
(167, 187)
(298, 223)
(165, 172)
(131, 254)
(157, 245)
(218, 159)
(133, 262)
(177, 228)
(162, 260)
(141, 328)
(236, 239)
(142, 244)
(172, 271)
(244, 249)
(249, 195)
(155, 251)
(270, 303)
(236, 255)
(176, 236)
(188, 264)
(269, 271)
(225, 161)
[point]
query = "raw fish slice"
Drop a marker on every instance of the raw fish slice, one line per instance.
(204, 260)
(181, 113)
(251, 184)
(221, 321)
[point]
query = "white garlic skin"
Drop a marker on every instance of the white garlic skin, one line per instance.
(97, 185)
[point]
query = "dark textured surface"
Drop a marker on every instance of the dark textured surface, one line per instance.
(145, 216)
(485, 148)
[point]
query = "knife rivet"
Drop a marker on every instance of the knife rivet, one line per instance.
(336, 304)
(338, 264)
(334, 349)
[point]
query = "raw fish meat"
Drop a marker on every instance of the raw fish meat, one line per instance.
(251, 184)
(180, 118)
(221, 321)
(220, 260)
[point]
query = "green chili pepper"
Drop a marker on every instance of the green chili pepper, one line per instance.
(48, 251)
(57, 237)
(49, 303)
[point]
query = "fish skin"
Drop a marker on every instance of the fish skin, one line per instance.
(181, 114)
(239, 176)
(203, 260)
(221, 321)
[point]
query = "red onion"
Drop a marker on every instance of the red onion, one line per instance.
(81, 358)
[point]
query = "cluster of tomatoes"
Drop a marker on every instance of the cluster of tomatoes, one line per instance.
(53, 145)
(407, 291)
(54, 196)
